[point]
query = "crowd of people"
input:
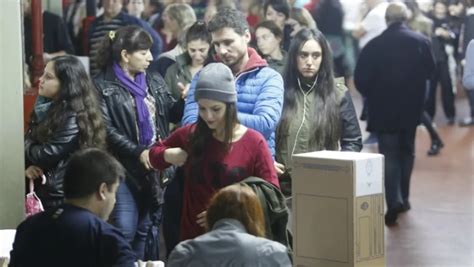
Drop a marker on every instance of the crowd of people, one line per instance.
(184, 100)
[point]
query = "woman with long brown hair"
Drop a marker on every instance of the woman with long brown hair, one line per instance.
(318, 113)
(235, 237)
(66, 118)
(216, 151)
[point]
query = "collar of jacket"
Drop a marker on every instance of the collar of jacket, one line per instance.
(110, 77)
(255, 61)
(228, 223)
(280, 62)
(397, 25)
(183, 60)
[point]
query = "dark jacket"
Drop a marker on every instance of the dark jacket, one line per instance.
(119, 112)
(301, 130)
(52, 156)
(278, 65)
(439, 43)
(274, 209)
(392, 72)
(178, 72)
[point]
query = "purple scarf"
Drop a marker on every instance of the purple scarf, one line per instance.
(138, 89)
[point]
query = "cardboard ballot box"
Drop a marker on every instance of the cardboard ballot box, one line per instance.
(338, 209)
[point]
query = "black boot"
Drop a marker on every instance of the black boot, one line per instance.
(436, 146)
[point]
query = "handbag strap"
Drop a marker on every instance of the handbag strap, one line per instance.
(32, 186)
(32, 183)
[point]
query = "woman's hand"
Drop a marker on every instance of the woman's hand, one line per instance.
(175, 156)
(279, 168)
(201, 219)
(145, 159)
(34, 172)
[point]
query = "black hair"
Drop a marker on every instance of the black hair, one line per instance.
(326, 124)
(76, 94)
(87, 169)
(281, 6)
(128, 38)
(228, 18)
(272, 27)
(199, 140)
(198, 31)
(413, 6)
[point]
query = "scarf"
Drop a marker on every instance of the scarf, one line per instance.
(41, 108)
(138, 89)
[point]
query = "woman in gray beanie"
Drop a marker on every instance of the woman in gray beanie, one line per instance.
(216, 151)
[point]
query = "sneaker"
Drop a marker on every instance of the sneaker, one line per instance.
(469, 121)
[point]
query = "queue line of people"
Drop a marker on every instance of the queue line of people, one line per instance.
(224, 108)
(237, 105)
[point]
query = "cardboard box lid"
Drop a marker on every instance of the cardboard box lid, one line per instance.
(366, 169)
(338, 155)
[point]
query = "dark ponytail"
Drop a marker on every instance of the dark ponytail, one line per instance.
(128, 38)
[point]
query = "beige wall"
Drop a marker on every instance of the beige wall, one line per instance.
(11, 116)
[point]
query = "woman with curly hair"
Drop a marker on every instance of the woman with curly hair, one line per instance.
(66, 118)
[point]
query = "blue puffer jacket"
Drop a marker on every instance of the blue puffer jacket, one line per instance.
(259, 98)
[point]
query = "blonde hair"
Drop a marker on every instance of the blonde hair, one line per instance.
(183, 14)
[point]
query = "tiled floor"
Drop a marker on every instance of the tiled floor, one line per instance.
(439, 229)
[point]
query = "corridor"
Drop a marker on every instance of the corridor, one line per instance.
(439, 229)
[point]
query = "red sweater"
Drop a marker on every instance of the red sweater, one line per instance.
(249, 156)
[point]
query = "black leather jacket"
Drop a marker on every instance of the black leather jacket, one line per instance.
(119, 112)
(52, 156)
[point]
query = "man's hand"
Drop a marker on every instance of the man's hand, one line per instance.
(441, 32)
(176, 156)
(201, 219)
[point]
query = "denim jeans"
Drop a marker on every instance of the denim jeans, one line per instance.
(131, 216)
(399, 151)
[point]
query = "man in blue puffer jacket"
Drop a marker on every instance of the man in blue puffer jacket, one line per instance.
(259, 88)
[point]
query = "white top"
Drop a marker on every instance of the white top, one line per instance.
(6, 242)
(373, 24)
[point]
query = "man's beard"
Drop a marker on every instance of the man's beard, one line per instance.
(236, 62)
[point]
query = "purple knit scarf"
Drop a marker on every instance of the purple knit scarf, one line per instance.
(138, 89)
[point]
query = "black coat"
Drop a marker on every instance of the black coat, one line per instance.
(119, 112)
(51, 157)
(392, 72)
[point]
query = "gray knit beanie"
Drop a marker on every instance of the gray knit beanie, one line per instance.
(216, 82)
